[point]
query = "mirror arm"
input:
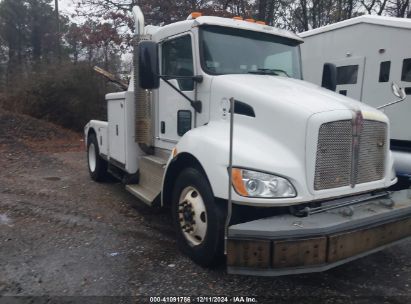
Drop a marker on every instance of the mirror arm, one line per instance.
(391, 103)
(196, 104)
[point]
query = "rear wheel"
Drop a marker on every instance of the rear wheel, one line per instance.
(97, 166)
(198, 219)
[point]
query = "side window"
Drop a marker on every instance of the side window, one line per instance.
(347, 74)
(183, 122)
(384, 71)
(177, 60)
(406, 70)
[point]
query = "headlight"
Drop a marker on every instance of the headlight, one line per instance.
(257, 184)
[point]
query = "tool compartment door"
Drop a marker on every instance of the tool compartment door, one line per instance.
(116, 129)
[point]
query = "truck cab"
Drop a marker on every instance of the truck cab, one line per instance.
(218, 126)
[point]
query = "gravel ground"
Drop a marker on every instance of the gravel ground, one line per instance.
(63, 236)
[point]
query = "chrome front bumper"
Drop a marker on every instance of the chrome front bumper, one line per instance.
(287, 244)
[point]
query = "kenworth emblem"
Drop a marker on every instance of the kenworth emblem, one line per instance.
(357, 126)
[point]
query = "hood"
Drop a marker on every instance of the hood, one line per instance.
(287, 92)
(281, 137)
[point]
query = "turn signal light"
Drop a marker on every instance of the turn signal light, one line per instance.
(238, 182)
(174, 152)
(261, 22)
(250, 20)
(238, 18)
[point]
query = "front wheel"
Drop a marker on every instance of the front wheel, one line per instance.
(198, 219)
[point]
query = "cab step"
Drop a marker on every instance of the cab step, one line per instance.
(150, 180)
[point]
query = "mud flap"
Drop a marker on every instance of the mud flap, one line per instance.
(286, 244)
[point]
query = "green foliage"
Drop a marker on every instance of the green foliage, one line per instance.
(36, 80)
(69, 95)
(28, 29)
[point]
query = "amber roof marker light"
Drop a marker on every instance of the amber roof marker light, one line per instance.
(194, 15)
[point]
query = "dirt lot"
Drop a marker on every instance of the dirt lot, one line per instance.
(63, 235)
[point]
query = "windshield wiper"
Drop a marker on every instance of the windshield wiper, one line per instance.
(274, 72)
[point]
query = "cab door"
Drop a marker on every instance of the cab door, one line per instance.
(350, 74)
(176, 116)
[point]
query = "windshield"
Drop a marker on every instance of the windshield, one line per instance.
(234, 51)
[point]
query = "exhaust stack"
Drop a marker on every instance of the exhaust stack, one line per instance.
(138, 21)
(142, 98)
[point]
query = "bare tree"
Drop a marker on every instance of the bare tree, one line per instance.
(374, 6)
(399, 8)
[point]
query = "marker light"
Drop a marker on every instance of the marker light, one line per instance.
(238, 18)
(257, 184)
(261, 22)
(195, 15)
(249, 20)
(174, 152)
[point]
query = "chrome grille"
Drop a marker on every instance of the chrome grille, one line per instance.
(334, 151)
(371, 159)
(333, 167)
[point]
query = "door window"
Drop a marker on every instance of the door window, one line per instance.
(406, 70)
(385, 71)
(347, 74)
(177, 60)
(183, 122)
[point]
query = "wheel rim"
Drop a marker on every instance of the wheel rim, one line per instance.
(92, 157)
(192, 216)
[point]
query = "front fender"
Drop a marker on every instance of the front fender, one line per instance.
(100, 128)
(209, 144)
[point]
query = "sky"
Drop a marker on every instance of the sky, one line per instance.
(66, 6)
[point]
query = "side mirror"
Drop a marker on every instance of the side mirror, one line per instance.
(397, 91)
(329, 76)
(148, 65)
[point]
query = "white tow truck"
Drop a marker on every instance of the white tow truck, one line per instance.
(274, 174)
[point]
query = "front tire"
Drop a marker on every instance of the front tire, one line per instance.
(97, 167)
(198, 219)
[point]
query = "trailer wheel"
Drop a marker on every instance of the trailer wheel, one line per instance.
(198, 219)
(97, 167)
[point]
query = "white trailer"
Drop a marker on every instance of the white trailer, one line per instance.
(370, 53)
(281, 175)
